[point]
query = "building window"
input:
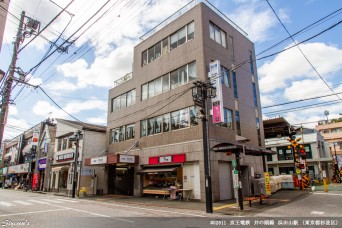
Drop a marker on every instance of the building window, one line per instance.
(59, 145)
(165, 45)
(124, 100)
(269, 157)
(257, 121)
(143, 128)
(308, 151)
(122, 133)
(227, 119)
(284, 153)
(191, 30)
(193, 116)
(144, 58)
(237, 122)
(255, 95)
(235, 85)
(225, 76)
(286, 170)
(231, 48)
(176, 120)
(271, 171)
(217, 34)
(173, 80)
(251, 62)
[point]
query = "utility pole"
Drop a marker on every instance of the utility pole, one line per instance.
(76, 138)
(200, 93)
(8, 84)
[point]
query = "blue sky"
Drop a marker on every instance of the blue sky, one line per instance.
(79, 81)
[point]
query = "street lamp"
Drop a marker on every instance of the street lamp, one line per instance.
(75, 138)
(200, 93)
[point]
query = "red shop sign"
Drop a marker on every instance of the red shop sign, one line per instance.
(165, 159)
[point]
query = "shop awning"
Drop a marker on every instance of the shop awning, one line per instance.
(157, 170)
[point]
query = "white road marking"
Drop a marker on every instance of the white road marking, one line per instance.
(22, 202)
(38, 201)
(71, 201)
(317, 212)
(332, 194)
(149, 209)
(6, 204)
(33, 212)
(52, 201)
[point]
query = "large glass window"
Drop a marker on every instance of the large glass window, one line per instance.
(144, 58)
(175, 120)
(144, 91)
(218, 35)
(158, 124)
(251, 62)
(166, 83)
(184, 118)
(191, 30)
(116, 134)
(143, 128)
(166, 122)
(151, 89)
(193, 115)
(150, 126)
(235, 85)
(192, 71)
(123, 101)
(130, 131)
(174, 79)
(59, 145)
(157, 50)
(122, 134)
(183, 76)
(181, 36)
(158, 86)
(151, 54)
(286, 170)
(165, 45)
(173, 41)
(237, 122)
(255, 99)
(284, 153)
(227, 118)
(225, 76)
(308, 151)
(231, 48)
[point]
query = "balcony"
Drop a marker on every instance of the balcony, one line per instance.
(124, 79)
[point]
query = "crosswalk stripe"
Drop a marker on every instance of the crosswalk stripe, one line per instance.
(52, 201)
(22, 202)
(38, 201)
(6, 204)
(72, 201)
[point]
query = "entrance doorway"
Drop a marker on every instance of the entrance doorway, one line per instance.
(121, 180)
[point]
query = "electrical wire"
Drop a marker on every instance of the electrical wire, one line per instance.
(303, 52)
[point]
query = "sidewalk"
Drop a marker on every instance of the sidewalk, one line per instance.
(331, 187)
(227, 207)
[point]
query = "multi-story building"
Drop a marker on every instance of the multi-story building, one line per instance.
(91, 142)
(277, 131)
(332, 133)
(155, 130)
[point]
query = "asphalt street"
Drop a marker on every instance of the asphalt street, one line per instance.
(19, 208)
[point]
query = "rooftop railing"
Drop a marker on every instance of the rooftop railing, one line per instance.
(123, 79)
(185, 9)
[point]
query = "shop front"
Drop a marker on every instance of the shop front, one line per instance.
(120, 169)
(16, 174)
(61, 173)
(41, 173)
(171, 175)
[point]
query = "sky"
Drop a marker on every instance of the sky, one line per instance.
(101, 51)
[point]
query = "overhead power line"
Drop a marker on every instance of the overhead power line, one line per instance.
(306, 58)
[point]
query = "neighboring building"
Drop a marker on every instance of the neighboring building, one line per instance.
(318, 157)
(4, 5)
(332, 133)
(91, 143)
(154, 128)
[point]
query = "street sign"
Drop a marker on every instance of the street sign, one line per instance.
(234, 163)
(235, 179)
(267, 179)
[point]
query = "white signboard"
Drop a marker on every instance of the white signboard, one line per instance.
(127, 158)
(98, 160)
(235, 179)
(324, 173)
(165, 159)
(217, 102)
(22, 168)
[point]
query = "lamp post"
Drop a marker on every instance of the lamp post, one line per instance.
(76, 139)
(200, 93)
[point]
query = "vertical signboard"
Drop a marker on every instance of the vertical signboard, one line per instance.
(217, 102)
(35, 181)
(267, 183)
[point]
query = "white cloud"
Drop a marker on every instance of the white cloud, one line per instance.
(97, 120)
(61, 86)
(257, 20)
(291, 65)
